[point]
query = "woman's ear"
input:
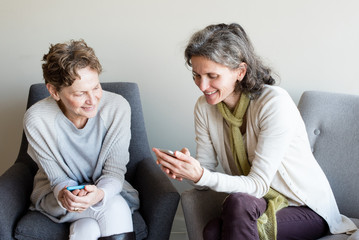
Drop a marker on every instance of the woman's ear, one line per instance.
(242, 70)
(53, 92)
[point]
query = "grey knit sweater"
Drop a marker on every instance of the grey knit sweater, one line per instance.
(54, 172)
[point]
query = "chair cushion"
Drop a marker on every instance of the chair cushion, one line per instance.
(35, 225)
(340, 236)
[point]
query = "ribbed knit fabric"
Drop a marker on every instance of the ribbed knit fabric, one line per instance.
(267, 224)
(54, 172)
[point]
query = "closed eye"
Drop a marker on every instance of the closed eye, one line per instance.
(195, 76)
(80, 94)
(212, 76)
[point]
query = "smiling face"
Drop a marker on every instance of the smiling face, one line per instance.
(80, 101)
(216, 81)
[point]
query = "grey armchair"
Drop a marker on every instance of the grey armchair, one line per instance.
(159, 199)
(332, 122)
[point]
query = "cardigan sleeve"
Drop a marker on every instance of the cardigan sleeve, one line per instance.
(205, 151)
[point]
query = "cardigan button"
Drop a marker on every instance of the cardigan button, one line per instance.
(317, 132)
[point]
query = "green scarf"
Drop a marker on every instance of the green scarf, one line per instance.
(267, 223)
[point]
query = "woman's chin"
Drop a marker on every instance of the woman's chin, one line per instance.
(90, 114)
(211, 100)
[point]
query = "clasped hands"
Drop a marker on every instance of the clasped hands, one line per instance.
(180, 167)
(80, 199)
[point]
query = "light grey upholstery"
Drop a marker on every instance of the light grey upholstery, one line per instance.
(332, 122)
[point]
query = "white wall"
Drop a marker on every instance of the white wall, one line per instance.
(311, 44)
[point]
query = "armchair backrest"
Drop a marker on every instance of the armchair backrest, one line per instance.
(139, 148)
(332, 122)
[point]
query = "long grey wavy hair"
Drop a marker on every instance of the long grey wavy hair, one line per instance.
(230, 46)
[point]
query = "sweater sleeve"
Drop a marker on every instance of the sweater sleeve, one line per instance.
(41, 135)
(116, 148)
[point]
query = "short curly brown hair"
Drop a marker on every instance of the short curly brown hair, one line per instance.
(63, 61)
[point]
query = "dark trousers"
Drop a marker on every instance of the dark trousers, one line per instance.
(239, 221)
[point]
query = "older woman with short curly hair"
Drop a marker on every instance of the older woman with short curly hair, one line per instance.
(79, 138)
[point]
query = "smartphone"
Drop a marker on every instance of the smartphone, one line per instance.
(168, 152)
(75, 187)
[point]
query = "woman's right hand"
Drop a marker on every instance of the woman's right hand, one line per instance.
(80, 199)
(66, 198)
(182, 166)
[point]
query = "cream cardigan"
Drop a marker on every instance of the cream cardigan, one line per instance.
(278, 150)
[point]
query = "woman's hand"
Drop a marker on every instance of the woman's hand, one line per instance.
(80, 199)
(182, 166)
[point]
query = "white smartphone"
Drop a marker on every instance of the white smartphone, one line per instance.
(168, 152)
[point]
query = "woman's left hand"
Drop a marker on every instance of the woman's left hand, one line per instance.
(182, 166)
(80, 200)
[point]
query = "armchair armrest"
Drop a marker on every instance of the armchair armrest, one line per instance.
(15, 188)
(199, 207)
(158, 198)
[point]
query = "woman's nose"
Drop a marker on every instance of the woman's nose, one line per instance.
(90, 99)
(203, 84)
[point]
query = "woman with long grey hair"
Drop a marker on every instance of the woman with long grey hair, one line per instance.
(255, 131)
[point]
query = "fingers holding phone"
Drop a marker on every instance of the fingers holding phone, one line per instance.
(166, 159)
(78, 190)
(182, 165)
(67, 199)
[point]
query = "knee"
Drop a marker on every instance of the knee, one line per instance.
(118, 205)
(116, 208)
(242, 203)
(85, 228)
(238, 200)
(116, 218)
